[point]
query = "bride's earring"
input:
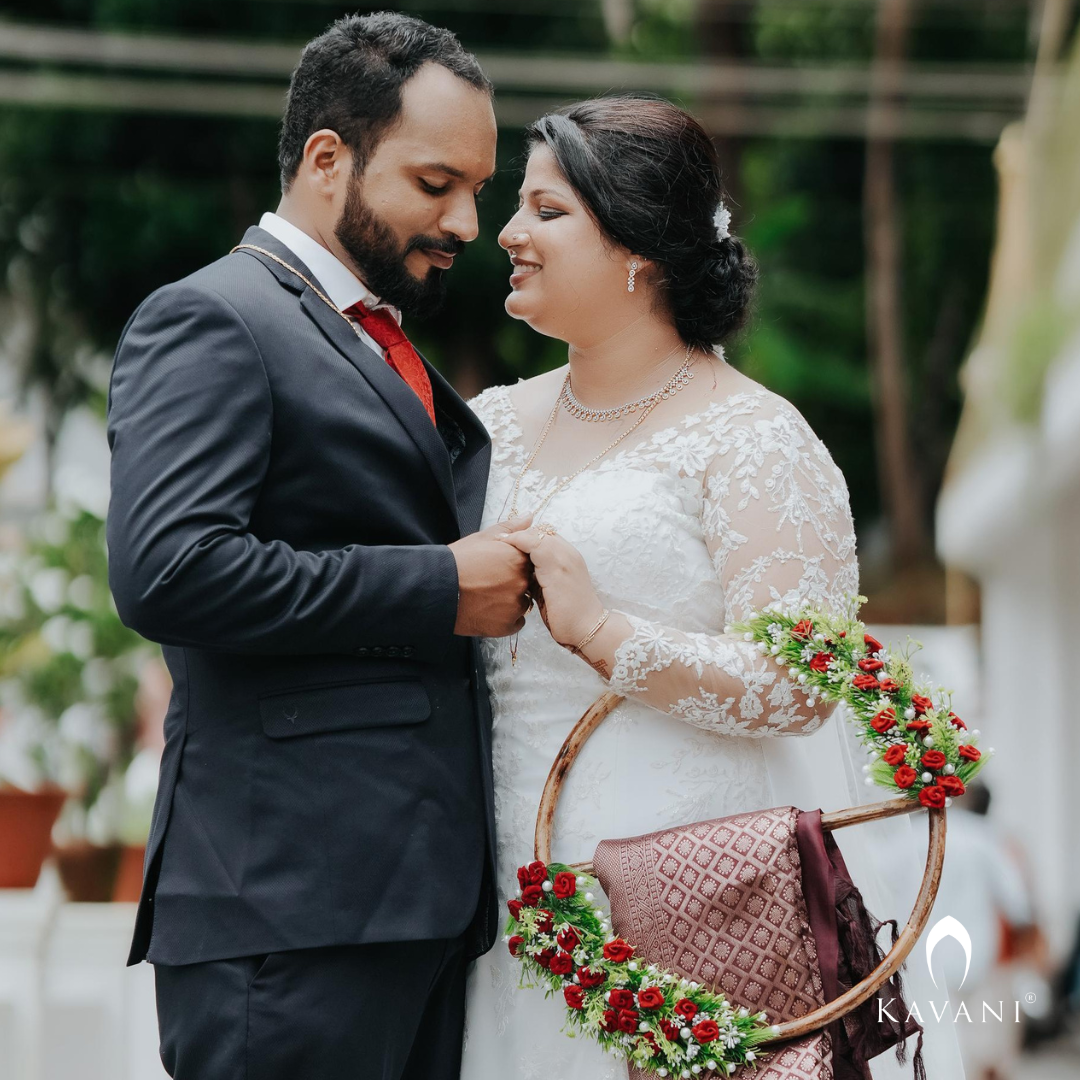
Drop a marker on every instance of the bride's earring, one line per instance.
(632, 276)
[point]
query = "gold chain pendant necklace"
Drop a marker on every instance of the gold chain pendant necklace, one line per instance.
(646, 405)
(669, 389)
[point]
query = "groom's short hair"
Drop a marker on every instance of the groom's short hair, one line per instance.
(349, 79)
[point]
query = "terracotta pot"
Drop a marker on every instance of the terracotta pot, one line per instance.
(26, 821)
(88, 871)
(130, 876)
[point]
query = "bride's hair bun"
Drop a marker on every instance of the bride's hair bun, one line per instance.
(649, 175)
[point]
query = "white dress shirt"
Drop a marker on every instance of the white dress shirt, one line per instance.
(339, 283)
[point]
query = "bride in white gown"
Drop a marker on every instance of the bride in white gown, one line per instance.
(652, 529)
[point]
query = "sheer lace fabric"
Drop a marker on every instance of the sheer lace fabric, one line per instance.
(732, 507)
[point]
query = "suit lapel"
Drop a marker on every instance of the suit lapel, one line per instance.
(396, 394)
(471, 466)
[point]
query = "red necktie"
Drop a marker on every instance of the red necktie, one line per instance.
(383, 329)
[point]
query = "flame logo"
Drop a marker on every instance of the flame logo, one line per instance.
(944, 928)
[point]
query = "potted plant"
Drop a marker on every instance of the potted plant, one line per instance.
(69, 676)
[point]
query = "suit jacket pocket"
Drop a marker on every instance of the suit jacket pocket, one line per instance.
(310, 710)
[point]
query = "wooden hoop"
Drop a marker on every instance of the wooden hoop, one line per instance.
(821, 1017)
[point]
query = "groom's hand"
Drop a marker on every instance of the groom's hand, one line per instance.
(493, 578)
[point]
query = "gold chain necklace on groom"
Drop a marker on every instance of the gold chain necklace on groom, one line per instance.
(381, 327)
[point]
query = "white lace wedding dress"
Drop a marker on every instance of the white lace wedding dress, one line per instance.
(728, 509)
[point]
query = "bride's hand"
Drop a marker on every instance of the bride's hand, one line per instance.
(567, 601)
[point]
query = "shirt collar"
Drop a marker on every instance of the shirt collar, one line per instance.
(342, 286)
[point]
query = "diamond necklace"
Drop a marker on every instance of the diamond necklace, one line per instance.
(582, 412)
(667, 390)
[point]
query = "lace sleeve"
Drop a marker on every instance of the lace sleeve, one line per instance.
(776, 519)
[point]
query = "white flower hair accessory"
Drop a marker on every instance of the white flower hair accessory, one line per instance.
(722, 221)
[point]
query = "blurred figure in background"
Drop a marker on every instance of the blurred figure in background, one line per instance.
(984, 887)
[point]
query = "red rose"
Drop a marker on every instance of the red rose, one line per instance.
(905, 776)
(932, 796)
(872, 643)
(933, 759)
(544, 921)
(523, 876)
(618, 951)
(957, 722)
(568, 938)
(919, 726)
(864, 682)
(884, 720)
(515, 943)
(972, 753)
(951, 785)
(802, 630)
(531, 895)
(871, 665)
(561, 964)
(610, 1021)
(544, 957)
(575, 996)
(670, 1029)
(621, 999)
(628, 1020)
(821, 661)
(649, 1039)
(565, 885)
(889, 686)
(685, 1008)
(921, 704)
(514, 907)
(651, 997)
(894, 755)
(538, 873)
(841, 633)
(589, 979)
(706, 1031)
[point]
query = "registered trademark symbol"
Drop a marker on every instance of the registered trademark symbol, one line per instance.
(1029, 997)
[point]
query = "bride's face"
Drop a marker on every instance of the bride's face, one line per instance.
(568, 280)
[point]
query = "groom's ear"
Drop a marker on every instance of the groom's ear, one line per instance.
(327, 162)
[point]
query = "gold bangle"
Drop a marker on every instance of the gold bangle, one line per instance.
(576, 649)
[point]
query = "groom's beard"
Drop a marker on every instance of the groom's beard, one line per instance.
(371, 245)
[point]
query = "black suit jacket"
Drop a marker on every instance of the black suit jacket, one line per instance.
(281, 506)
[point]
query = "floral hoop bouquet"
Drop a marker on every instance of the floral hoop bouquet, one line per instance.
(918, 746)
(655, 1020)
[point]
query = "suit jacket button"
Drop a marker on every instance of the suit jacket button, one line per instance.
(362, 651)
(408, 650)
(377, 650)
(393, 651)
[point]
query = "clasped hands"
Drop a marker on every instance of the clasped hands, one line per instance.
(505, 567)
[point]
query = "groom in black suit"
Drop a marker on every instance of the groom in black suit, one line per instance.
(293, 493)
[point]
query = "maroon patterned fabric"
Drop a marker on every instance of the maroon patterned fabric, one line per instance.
(723, 902)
